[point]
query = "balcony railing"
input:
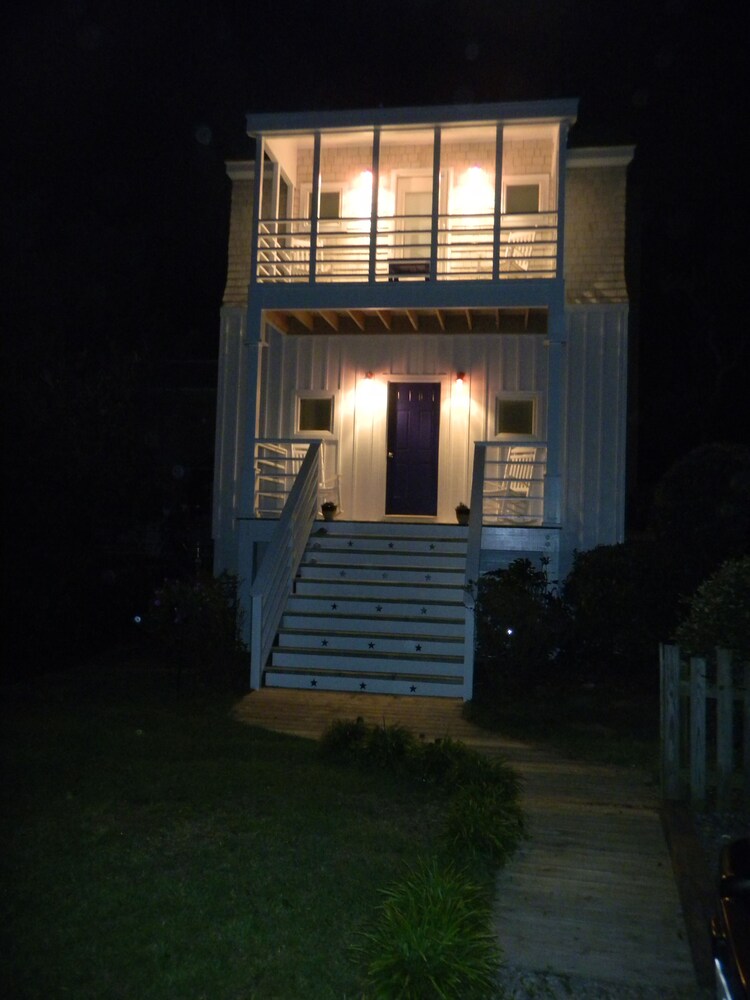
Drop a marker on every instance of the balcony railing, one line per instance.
(465, 248)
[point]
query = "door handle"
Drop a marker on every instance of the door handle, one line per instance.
(390, 454)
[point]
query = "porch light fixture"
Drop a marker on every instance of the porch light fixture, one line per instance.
(368, 376)
(460, 376)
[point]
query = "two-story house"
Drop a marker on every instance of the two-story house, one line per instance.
(423, 306)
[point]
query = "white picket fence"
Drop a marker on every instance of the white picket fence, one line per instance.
(705, 727)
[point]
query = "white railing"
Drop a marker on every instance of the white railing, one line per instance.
(473, 556)
(277, 464)
(273, 583)
(513, 485)
(465, 248)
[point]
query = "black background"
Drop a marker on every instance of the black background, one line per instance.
(118, 118)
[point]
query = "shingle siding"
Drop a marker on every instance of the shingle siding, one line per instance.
(595, 235)
(240, 235)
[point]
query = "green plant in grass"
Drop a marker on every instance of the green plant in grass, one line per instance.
(432, 939)
(389, 747)
(485, 824)
(451, 764)
(344, 741)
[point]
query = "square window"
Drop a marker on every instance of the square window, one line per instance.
(514, 416)
(330, 205)
(521, 198)
(315, 414)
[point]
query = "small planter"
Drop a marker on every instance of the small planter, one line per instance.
(462, 513)
(328, 510)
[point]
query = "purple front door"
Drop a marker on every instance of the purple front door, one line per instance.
(413, 428)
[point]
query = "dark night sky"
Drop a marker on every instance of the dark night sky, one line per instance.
(119, 117)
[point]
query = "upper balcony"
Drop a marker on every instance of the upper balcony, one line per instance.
(400, 197)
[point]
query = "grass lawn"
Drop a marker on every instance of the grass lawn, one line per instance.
(152, 847)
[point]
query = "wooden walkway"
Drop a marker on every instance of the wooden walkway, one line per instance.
(592, 893)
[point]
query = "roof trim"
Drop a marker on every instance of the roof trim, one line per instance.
(600, 156)
(447, 114)
(240, 170)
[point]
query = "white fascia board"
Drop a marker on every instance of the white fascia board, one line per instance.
(600, 156)
(449, 114)
(240, 170)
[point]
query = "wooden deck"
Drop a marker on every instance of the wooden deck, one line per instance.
(592, 893)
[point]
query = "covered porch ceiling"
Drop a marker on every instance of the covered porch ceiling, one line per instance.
(406, 321)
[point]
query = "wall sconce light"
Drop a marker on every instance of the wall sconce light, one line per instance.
(368, 376)
(460, 376)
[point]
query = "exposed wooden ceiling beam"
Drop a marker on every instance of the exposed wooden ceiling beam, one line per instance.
(467, 313)
(279, 320)
(358, 317)
(440, 319)
(413, 318)
(331, 319)
(306, 319)
(384, 317)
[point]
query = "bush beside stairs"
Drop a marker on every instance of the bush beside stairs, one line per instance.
(378, 608)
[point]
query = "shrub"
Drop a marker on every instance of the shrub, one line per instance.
(195, 624)
(432, 939)
(622, 601)
(344, 740)
(442, 761)
(389, 747)
(521, 626)
(485, 824)
(719, 613)
(701, 510)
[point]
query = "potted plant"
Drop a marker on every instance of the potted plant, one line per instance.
(462, 513)
(329, 509)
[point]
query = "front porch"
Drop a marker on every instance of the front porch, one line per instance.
(382, 607)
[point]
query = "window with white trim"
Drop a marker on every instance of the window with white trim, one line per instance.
(525, 194)
(315, 414)
(515, 415)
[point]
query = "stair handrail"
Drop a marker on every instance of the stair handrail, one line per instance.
(274, 581)
(473, 555)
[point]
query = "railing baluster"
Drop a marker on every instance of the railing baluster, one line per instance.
(280, 562)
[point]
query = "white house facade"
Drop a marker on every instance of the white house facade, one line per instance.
(423, 307)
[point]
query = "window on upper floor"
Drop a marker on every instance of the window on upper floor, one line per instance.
(525, 195)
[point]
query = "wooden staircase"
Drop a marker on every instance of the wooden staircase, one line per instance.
(378, 608)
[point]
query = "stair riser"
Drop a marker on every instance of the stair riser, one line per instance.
(362, 663)
(390, 546)
(382, 643)
(386, 590)
(402, 609)
(389, 529)
(357, 626)
(378, 560)
(381, 574)
(369, 686)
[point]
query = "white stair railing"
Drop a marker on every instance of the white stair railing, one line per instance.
(273, 583)
(473, 553)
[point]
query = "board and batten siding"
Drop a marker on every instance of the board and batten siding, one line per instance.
(595, 426)
(337, 364)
